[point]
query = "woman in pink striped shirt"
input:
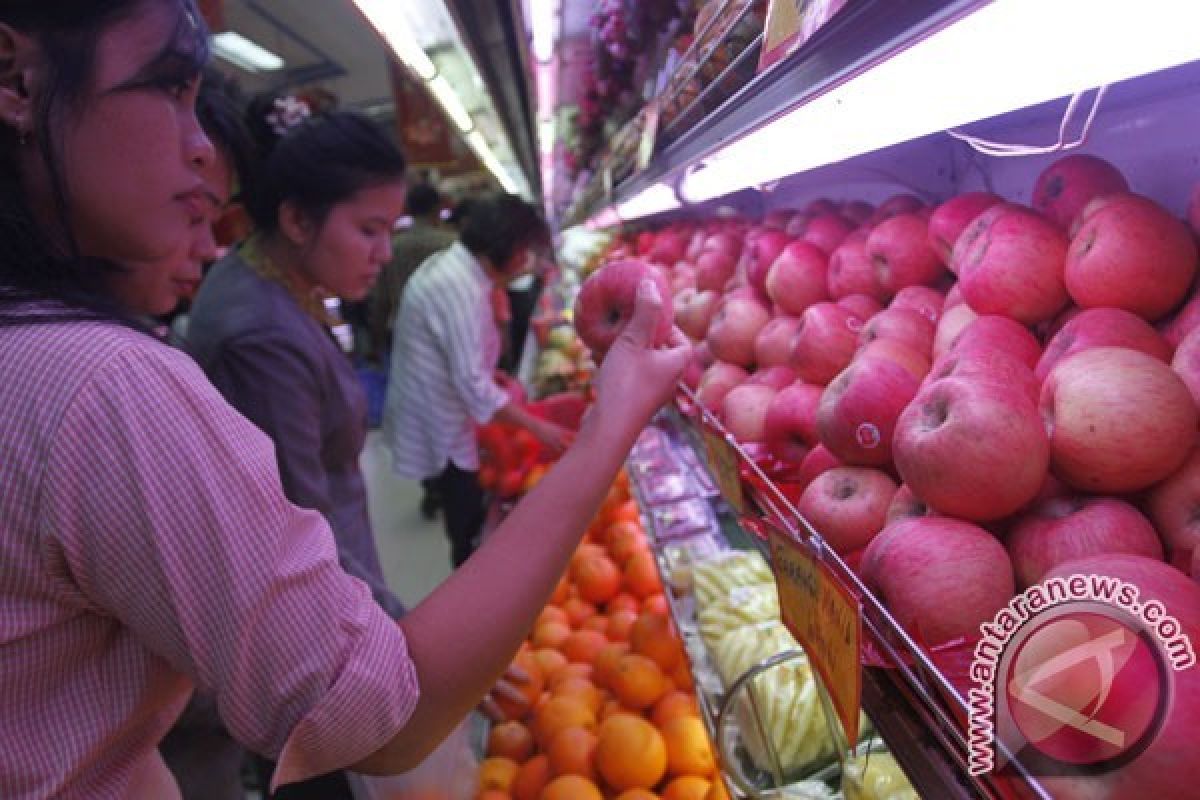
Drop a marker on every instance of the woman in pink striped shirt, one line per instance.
(148, 548)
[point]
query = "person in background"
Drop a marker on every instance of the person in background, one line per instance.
(410, 247)
(149, 548)
(445, 351)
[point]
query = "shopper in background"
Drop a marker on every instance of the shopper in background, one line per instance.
(410, 247)
(445, 351)
(149, 546)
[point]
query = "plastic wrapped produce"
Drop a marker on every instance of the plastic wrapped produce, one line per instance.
(717, 578)
(876, 777)
(745, 605)
(742, 648)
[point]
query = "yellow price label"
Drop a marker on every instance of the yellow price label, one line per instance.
(723, 464)
(826, 619)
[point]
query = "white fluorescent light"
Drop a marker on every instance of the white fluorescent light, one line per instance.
(243, 53)
(604, 218)
(387, 18)
(653, 200)
(544, 19)
(961, 74)
(450, 103)
(546, 135)
(479, 144)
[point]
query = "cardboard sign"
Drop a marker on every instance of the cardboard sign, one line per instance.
(826, 619)
(723, 464)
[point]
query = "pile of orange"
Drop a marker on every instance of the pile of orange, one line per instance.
(610, 713)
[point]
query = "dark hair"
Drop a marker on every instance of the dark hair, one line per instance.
(501, 224)
(40, 264)
(320, 163)
(422, 200)
(458, 214)
(220, 115)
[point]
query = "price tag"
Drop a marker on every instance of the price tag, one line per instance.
(826, 620)
(790, 23)
(723, 464)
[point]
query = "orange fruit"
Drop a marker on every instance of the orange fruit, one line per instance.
(551, 614)
(620, 625)
(656, 604)
(621, 528)
(623, 601)
(578, 610)
(626, 512)
(571, 671)
(641, 575)
(581, 647)
(624, 544)
(654, 636)
(571, 753)
(689, 751)
(681, 676)
(560, 591)
(510, 740)
(550, 661)
(550, 634)
(530, 689)
(597, 577)
(497, 773)
(637, 794)
(611, 707)
(674, 704)
(584, 551)
(488, 794)
(571, 787)
(637, 682)
(686, 787)
(598, 623)
(559, 713)
(531, 778)
(630, 753)
(582, 688)
(717, 791)
(605, 664)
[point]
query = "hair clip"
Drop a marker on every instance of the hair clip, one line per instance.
(288, 112)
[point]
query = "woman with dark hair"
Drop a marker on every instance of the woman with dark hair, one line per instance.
(149, 548)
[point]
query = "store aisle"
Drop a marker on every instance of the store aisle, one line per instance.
(414, 550)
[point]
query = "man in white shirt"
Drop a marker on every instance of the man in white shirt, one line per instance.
(445, 349)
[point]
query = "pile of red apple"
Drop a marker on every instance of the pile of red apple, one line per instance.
(975, 394)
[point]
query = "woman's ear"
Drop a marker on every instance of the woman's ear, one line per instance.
(295, 225)
(16, 77)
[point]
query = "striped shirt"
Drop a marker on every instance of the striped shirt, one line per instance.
(444, 353)
(148, 549)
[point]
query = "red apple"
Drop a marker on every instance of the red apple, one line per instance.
(718, 381)
(899, 249)
(895, 205)
(714, 269)
(764, 252)
(893, 350)
(992, 332)
(971, 449)
(818, 460)
(797, 278)
(1186, 363)
(744, 410)
(953, 298)
(1176, 327)
(860, 305)
(1102, 327)
(1119, 420)
(683, 276)
(790, 428)
(827, 231)
(954, 320)
(923, 299)
(1010, 261)
(941, 578)
(825, 342)
(988, 366)
(732, 332)
(773, 346)
(606, 300)
(905, 504)
(724, 242)
(1174, 507)
(847, 506)
(1070, 183)
(851, 272)
(695, 311)
(902, 325)
(1068, 528)
(669, 246)
(1131, 254)
(777, 377)
(695, 246)
(859, 409)
(952, 217)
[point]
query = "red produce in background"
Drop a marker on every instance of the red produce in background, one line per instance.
(797, 278)
(1065, 187)
(859, 409)
(953, 217)
(848, 505)
(825, 342)
(1102, 327)
(899, 249)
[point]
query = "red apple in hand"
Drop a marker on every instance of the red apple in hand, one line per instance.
(797, 278)
(1067, 528)
(1070, 183)
(941, 578)
(902, 325)
(825, 342)
(718, 381)
(606, 300)
(1102, 327)
(1119, 420)
(1010, 261)
(899, 249)
(790, 427)
(1131, 254)
(734, 328)
(952, 217)
(851, 271)
(859, 409)
(1174, 507)
(971, 449)
(848, 506)
(773, 346)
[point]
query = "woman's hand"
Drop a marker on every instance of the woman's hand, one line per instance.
(505, 689)
(553, 437)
